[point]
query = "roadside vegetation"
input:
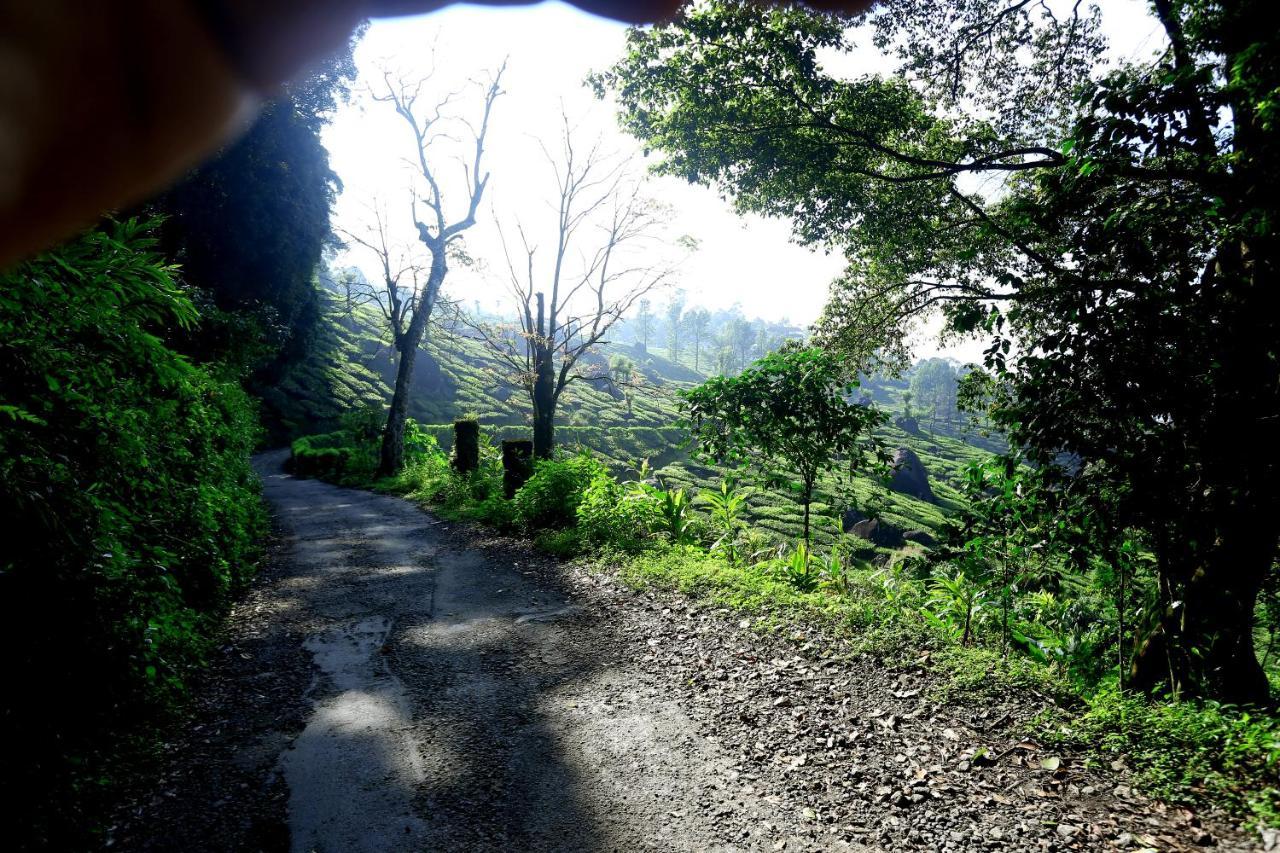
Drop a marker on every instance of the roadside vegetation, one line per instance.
(132, 516)
(990, 619)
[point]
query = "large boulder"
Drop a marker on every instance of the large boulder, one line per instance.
(875, 530)
(908, 425)
(909, 475)
(851, 517)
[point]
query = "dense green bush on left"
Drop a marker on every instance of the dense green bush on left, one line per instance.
(132, 515)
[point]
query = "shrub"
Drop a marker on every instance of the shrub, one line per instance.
(1218, 752)
(552, 495)
(322, 456)
(559, 543)
(610, 515)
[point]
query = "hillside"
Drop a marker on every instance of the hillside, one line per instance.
(456, 376)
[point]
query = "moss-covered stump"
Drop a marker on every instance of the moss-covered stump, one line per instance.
(466, 446)
(517, 464)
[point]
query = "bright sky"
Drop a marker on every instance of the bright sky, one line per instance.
(550, 49)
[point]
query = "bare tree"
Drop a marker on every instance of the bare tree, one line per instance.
(566, 306)
(398, 291)
(408, 308)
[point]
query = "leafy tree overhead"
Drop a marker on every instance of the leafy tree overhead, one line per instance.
(1128, 249)
(788, 415)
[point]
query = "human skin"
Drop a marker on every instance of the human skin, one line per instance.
(104, 104)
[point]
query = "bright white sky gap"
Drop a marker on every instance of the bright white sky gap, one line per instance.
(550, 49)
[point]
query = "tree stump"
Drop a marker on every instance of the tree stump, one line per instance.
(466, 446)
(517, 465)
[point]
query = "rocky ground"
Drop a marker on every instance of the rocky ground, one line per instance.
(393, 682)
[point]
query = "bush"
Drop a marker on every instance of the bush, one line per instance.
(553, 493)
(559, 543)
(132, 516)
(611, 516)
(320, 456)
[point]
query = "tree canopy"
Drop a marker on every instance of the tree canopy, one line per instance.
(1119, 252)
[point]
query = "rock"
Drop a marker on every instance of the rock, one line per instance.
(875, 530)
(850, 518)
(920, 537)
(909, 475)
(908, 425)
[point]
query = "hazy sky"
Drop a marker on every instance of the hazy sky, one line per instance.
(549, 50)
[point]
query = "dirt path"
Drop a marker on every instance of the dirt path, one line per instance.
(393, 684)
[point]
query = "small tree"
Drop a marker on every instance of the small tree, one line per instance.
(644, 322)
(786, 415)
(933, 386)
(675, 314)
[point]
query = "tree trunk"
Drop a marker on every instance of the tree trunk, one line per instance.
(466, 446)
(543, 394)
(544, 426)
(517, 465)
(391, 459)
(808, 499)
(1202, 643)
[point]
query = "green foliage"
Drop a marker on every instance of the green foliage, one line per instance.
(553, 493)
(565, 542)
(726, 509)
(613, 516)
(797, 569)
(131, 510)
(1129, 254)
(1180, 751)
(786, 416)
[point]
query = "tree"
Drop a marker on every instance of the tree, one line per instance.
(596, 273)
(398, 292)
(644, 322)
(698, 322)
(439, 235)
(623, 375)
(786, 415)
(933, 386)
(738, 337)
(675, 312)
(1129, 251)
